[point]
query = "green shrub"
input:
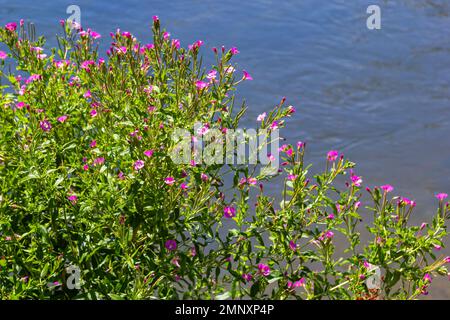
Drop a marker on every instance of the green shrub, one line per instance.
(87, 180)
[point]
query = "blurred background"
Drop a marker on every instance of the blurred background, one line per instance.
(382, 97)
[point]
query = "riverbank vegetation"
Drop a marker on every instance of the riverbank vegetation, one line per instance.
(87, 181)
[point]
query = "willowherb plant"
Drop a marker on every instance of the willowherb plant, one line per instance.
(87, 181)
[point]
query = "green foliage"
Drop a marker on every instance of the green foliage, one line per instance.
(72, 192)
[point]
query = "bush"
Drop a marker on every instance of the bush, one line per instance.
(87, 180)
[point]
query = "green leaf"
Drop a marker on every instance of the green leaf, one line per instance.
(224, 296)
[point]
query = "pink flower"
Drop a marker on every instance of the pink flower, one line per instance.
(447, 259)
(423, 225)
(201, 85)
(264, 269)
(405, 202)
(183, 186)
(203, 130)
(291, 110)
(155, 19)
(76, 25)
(195, 45)
(99, 161)
(292, 245)
(357, 205)
(274, 125)
(37, 49)
(299, 283)
(441, 196)
(45, 125)
(171, 245)
(86, 65)
(73, 199)
(330, 216)
(169, 181)
(437, 247)
(149, 46)
(292, 177)
(95, 35)
(356, 180)
(87, 94)
(271, 157)
(12, 26)
(33, 77)
(289, 152)
(122, 50)
(229, 212)
(93, 113)
(234, 51)
(148, 153)
(126, 34)
(246, 76)
(176, 43)
(176, 262)
(229, 69)
(252, 181)
(212, 75)
(247, 277)
(427, 277)
(93, 143)
(86, 167)
(166, 35)
(332, 155)
(204, 177)
(387, 188)
(261, 117)
(62, 119)
(61, 64)
(3, 55)
(300, 144)
(327, 235)
(138, 165)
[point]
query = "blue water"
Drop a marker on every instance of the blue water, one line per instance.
(382, 97)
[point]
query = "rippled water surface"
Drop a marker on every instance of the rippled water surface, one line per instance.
(382, 97)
